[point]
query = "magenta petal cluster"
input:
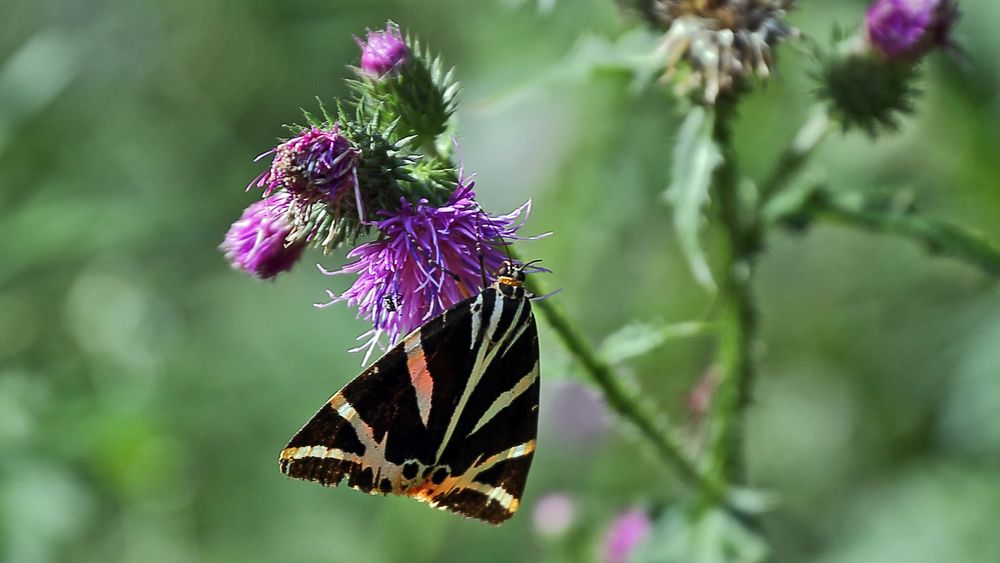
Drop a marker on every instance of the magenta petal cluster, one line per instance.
(316, 164)
(425, 261)
(910, 28)
(383, 51)
(256, 242)
(627, 530)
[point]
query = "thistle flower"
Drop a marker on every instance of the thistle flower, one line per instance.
(425, 261)
(256, 243)
(627, 530)
(723, 41)
(315, 165)
(908, 29)
(383, 51)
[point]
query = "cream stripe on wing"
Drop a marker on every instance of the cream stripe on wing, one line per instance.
(374, 456)
(477, 315)
(507, 397)
(322, 452)
(492, 492)
(520, 450)
(483, 357)
(523, 326)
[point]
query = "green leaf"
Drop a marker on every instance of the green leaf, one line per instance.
(696, 157)
(637, 339)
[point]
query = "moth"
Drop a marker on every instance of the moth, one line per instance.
(449, 416)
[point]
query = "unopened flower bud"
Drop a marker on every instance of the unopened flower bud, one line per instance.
(383, 51)
(257, 244)
(909, 29)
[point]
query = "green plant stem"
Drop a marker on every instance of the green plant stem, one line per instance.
(815, 130)
(937, 237)
(625, 403)
(738, 322)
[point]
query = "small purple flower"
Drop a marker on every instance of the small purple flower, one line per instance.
(910, 28)
(315, 165)
(554, 514)
(256, 243)
(383, 51)
(627, 530)
(425, 261)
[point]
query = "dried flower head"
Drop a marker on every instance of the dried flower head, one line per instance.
(315, 165)
(383, 51)
(425, 261)
(909, 29)
(257, 243)
(723, 41)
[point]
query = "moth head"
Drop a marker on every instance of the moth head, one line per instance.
(510, 278)
(510, 273)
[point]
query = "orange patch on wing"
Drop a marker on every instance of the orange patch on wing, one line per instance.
(420, 376)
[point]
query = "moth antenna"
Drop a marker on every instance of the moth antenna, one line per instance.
(503, 243)
(479, 249)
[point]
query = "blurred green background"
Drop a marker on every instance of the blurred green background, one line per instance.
(146, 389)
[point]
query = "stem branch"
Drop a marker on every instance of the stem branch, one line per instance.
(936, 236)
(740, 223)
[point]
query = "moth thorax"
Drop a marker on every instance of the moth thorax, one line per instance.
(510, 287)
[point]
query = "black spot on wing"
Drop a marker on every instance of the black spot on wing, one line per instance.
(363, 479)
(410, 470)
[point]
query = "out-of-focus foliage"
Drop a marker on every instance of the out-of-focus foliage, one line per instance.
(146, 389)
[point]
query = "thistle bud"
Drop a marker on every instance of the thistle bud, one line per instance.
(383, 51)
(257, 243)
(316, 164)
(909, 29)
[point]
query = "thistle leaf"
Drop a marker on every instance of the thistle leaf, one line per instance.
(696, 157)
(637, 339)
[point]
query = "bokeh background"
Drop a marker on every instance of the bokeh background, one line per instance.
(146, 389)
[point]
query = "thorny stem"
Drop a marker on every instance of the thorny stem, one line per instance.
(624, 402)
(936, 236)
(738, 323)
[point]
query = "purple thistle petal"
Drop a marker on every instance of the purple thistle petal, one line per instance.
(256, 243)
(426, 260)
(315, 165)
(383, 51)
(910, 28)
